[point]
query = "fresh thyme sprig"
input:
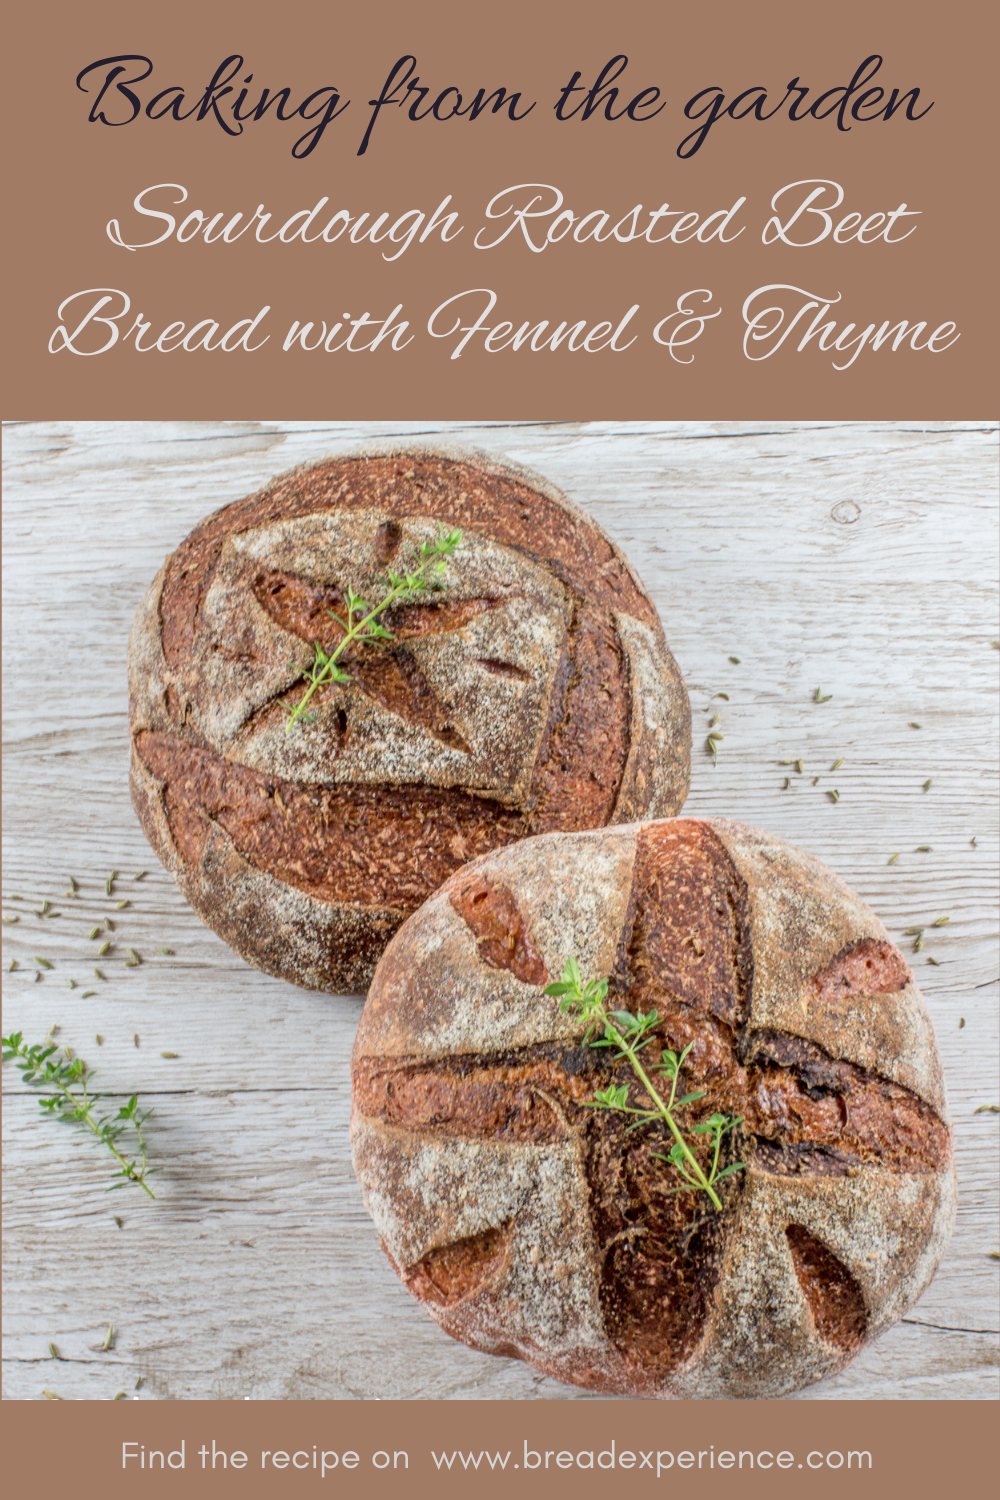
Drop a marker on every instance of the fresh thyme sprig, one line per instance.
(361, 626)
(626, 1036)
(70, 1099)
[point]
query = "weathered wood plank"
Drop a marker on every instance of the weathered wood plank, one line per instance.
(256, 1272)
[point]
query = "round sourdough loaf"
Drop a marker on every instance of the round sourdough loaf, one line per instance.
(533, 692)
(532, 1225)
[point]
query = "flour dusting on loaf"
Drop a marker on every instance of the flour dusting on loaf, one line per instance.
(530, 1224)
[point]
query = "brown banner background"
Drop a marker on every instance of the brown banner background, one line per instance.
(68, 178)
(913, 1452)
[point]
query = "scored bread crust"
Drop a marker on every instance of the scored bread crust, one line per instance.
(495, 1190)
(539, 669)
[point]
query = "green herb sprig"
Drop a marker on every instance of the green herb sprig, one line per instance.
(69, 1099)
(361, 627)
(626, 1035)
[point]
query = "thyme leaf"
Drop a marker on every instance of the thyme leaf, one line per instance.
(361, 626)
(68, 1098)
(626, 1036)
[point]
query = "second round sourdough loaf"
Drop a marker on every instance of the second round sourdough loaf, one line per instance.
(533, 691)
(532, 1223)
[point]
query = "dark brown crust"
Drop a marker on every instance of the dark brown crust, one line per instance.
(458, 1270)
(371, 846)
(866, 967)
(455, 492)
(503, 938)
(806, 1117)
(834, 1297)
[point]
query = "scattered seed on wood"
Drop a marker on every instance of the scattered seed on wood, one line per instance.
(935, 961)
(120, 905)
(133, 955)
(109, 925)
(51, 1395)
(12, 966)
(714, 721)
(787, 785)
(924, 849)
(735, 661)
(820, 697)
(71, 983)
(13, 917)
(120, 1396)
(54, 1352)
(786, 763)
(130, 963)
(98, 974)
(94, 932)
(973, 843)
(918, 944)
(928, 783)
(800, 766)
(99, 1040)
(87, 994)
(912, 931)
(940, 921)
(104, 948)
(723, 695)
(138, 1384)
(834, 795)
(69, 1054)
(988, 1109)
(914, 725)
(135, 1038)
(15, 898)
(72, 883)
(961, 1022)
(141, 875)
(893, 858)
(69, 893)
(993, 1254)
(44, 908)
(837, 764)
(119, 1222)
(42, 963)
(817, 780)
(110, 882)
(170, 1054)
(38, 975)
(168, 951)
(51, 1032)
(109, 1338)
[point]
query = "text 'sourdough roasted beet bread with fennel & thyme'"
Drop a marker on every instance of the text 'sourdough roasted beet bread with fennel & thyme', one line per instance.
(516, 682)
(718, 1175)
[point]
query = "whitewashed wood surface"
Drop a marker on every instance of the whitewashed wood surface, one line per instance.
(859, 558)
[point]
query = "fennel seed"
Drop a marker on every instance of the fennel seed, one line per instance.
(94, 932)
(941, 922)
(893, 858)
(42, 963)
(837, 764)
(104, 948)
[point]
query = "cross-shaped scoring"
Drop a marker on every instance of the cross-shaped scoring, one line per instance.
(532, 1224)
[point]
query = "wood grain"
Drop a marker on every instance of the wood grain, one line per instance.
(858, 558)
